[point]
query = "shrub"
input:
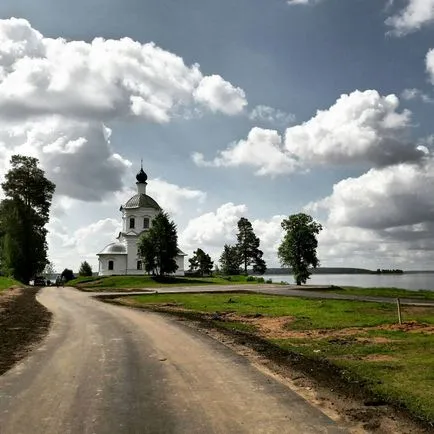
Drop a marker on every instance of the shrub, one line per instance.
(250, 279)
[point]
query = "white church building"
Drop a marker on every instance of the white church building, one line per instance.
(121, 257)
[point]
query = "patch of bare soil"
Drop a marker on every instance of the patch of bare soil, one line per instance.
(410, 327)
(23, 322)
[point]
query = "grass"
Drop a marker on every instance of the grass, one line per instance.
(7, 282)
(131, 282)
(385, 292)
(393, 363)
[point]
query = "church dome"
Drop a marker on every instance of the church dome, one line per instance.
(141, 176)
(114, 248)
(142, 201)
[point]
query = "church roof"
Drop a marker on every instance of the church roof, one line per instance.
(141, 201)
(114, 249)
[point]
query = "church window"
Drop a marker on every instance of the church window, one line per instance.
(111, 265)
(139, 265)
(132, 223)
(146, 223)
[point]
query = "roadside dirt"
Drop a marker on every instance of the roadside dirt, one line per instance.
(23, 323)
(323, 384)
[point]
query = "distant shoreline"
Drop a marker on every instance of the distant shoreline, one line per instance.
(349, 270)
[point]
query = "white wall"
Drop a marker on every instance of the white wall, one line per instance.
(119, 266)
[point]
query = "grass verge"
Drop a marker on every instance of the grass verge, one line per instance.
(7, 282)
(360, 342)
(384, 292)
(99, 283)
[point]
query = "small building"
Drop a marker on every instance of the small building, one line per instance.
(121, 257)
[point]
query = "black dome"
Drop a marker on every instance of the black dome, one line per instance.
(141, 177)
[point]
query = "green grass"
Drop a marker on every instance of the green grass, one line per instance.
(139, 282)
(396, 365)
(307, 313)
(7, 282)
(385, 292)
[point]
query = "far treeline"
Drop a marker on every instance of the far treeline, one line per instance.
(340, 270)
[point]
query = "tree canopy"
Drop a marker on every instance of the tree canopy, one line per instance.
(23, 216)
(85, 269)
(201, 262)
(230, 260)
(248, 247)
(299, 244)
(158, 247)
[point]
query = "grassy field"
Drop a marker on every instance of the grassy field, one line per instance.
(6, 283)
(384, 292)
(395, 362)
(140, 282)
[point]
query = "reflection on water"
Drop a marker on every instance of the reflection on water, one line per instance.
(405, 281)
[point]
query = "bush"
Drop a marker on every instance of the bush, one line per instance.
(269, 281)
(260, 280)
(250, 279)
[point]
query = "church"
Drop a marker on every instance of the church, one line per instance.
(121, 257)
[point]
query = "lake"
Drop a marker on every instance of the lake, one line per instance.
(405, 281)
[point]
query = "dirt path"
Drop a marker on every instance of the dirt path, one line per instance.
(110, 369)
(23, 323)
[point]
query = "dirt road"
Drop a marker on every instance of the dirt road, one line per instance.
(109, 369)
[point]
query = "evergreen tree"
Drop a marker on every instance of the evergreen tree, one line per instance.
(201, 262)
(85, 269)
(298, 247)
(230, 260)
(23, 216)
(248, 247)
(158, 247)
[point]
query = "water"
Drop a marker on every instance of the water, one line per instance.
(412, 282)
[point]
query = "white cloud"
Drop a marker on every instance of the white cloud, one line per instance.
(362, 127)
(384, 198)
(414, 16)
(416, 94)
(69, 249)
(76, 155)
(220, 95)
(116, 78)
(263, 150)
(269, 115)
(302, 2)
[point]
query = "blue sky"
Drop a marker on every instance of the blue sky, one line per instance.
(295, 59)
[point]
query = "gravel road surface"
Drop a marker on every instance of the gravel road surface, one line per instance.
(109, 369)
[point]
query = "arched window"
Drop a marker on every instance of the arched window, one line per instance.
(146, 223)
(132, 223)
(111, 265)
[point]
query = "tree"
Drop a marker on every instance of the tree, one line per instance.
(85, 269)
(201, 262)
(299, 244)
(248, 247)
(23, 216)
(158, 247)
(67, 275)
(49, 268)
(230, 260)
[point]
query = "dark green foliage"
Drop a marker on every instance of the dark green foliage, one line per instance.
(248, 247)
(23, 216)
(85, 269)
(298, 248)
(158, 247)
(230, 260)
(201, 263)
(67, 275)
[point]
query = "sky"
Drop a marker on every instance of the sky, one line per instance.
(254, 108)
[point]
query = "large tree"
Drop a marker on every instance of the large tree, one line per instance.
(201, 262)
(299, 244)
(23, 216)
(158, 247)
(248, 247)
(230, 260)
(85, 269)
